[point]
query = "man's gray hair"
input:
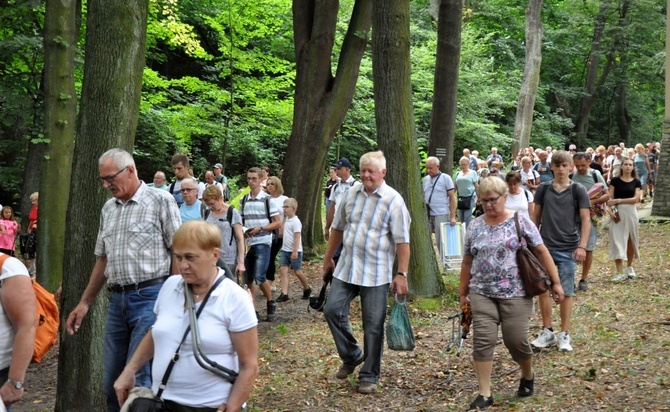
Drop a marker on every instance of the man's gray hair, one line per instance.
(433, 159)
(377, 158)
(190, 179)
(120, 157)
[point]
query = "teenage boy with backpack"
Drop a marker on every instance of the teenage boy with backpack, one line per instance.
(562, 214)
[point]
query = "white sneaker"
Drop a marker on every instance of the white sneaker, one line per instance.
(544, 339)
(631, 272)
(564, 341)
(620, 277)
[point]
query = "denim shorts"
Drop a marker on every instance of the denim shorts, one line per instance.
(256, 262)
(285, 260)
(566, 266)
(593, 237)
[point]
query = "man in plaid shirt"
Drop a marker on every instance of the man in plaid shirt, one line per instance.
(133, 258)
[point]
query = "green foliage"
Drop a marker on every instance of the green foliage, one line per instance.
(219, 80)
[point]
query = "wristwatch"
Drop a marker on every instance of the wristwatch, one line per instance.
(402, 273)
(16, 384)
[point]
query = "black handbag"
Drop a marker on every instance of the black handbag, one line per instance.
(148, 405)
(464, 202)
(156, 403)
(318, 302)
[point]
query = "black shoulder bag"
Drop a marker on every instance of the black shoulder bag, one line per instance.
(156, 404)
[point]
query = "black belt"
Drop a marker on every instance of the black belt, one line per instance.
(135, 286)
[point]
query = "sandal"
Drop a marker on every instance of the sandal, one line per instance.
(526, 387)
(481, 402)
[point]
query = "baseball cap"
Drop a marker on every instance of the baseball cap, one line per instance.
(343, 162)
(218, 166)
(572, 147)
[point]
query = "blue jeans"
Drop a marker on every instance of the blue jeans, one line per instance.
(129, 318)
(373, 309)
(272, 264)
(256, 262)
(566, 266)
(465, 216)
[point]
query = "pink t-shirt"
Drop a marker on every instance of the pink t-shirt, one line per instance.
(8, 235)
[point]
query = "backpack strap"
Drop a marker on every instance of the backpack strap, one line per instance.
(171, 188)
(204, 211)
(229, 218)
(267, 208)
(243, 202)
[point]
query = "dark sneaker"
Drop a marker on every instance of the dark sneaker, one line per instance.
(306, 293)
(282, 298)
(272, 310)
(583, 285)
(481, 402)
(526, 387)
(367, 387)
(347, 369)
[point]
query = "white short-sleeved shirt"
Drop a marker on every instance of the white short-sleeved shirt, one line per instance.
(12, 267)
(519, 202)
(228, 309)
(438, 199)
(373, 226)
(291, 227)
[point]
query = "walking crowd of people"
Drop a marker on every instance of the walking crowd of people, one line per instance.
(166, 245)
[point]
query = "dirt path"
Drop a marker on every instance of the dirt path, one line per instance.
(620, 362)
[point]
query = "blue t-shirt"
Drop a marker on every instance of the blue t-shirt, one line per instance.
(190, 212)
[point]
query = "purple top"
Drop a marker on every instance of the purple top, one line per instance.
(494, 270)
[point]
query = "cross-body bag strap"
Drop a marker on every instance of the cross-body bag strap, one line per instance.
(433, 188)
(518, 228)
(175, 357)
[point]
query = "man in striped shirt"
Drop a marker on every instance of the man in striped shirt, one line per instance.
(259, 218)
(373, 223)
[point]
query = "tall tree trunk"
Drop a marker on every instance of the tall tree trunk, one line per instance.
(531, 77)
(621, 46)
(661, 206)
(397, 137)
(445, 89)
(321, 100)
(623, 118)
(60, 104)
(593, 84)
(115, 49)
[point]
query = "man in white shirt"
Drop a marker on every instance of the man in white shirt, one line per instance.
(438, 192)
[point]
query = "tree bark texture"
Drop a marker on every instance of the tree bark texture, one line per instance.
(321, 100)
(115, 50)
(623, 118)
(661, 205)
(60, 100)
(523, 122)
(593, 85)
(397, 136)
(445, 88)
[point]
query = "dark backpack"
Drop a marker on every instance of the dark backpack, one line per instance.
(543, 189)
(226, 193)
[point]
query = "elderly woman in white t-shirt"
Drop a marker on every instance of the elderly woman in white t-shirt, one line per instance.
(227, 329)
(530, 179)
(18, 311)
(518, 198)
